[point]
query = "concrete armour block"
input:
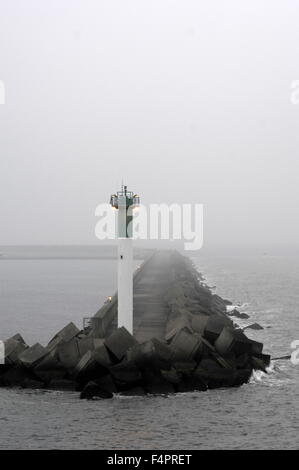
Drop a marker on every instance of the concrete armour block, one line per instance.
(19, 338)
(17, 376)
(154, 354)
(233, 340)
(125, 374)
(88, 344)
(93, 389)
(31, 356)
(106, 383)
(214, 327)
(185, 369)
(119, 342)
(176, 325)
(101, 355)
(256, 347)
(225, 342)
(199, 323)
(13, 349)
(49, 369)
(89, 368)
(171, 376)
(185, 345)
(66, 334)
(68, 353)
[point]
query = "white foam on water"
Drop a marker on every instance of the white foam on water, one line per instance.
(230, 308)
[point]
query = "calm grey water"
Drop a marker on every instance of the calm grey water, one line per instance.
(37, 297)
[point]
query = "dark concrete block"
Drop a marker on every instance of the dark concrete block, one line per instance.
(191, 384)
(235, 313)
(186, 346)
(33, 355)
(125, 374)
(119, 342)
(49, 368)
(175, 325)
(256, 347)
(89, 344)
(216, 378)
(171, 376)
(89, 368)
(17, 376)
(13, 349)
(92, 390)
(233, 340)
(253, 326)
(154, 354)
(258, 364)
(102, 356)
(243, 361)
(199, 323)
(19, 338)
(266, 358)
(214, 327)
(185, 369)
(106, 383)
(68, 353)
(224, 344)
(66, 334)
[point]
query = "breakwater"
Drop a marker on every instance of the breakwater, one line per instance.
(183, 340)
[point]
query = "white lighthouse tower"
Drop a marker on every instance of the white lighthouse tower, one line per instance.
(125, 201)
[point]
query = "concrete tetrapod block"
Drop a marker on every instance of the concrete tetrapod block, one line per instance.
(89, 344)
(93, 389)
(31, 356)
(13, 349)
(213, 375)
(256, 347)
(175, 325)
(125, 374)
(155, 383)
(214, 327)
(68, 332)
(68, 353)
(258, 364)
(186, 346)
(106, 383)
(171, 376)
(232, 340)
(154, 354)
(199, 322)
(19, 338)
(102, 356)
(119, 342)
(265, 358)
(20, 376)
(49, 369)
(92, 365)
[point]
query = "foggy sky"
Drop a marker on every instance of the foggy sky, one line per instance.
(188, 101)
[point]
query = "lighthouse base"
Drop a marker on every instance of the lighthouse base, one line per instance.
(125, 284)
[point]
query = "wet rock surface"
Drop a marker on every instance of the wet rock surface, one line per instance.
(184, 341)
